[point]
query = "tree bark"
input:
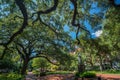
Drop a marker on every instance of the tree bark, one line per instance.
(24, 67)
(81, 68)
(101, 64)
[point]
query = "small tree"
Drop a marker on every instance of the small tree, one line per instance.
(41, 64)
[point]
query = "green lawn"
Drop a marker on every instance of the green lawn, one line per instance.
(109, 72)
(59, 72)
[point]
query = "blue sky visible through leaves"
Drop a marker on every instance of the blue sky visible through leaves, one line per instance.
(94, 10)
(117, 2)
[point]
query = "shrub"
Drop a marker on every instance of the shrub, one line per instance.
(14, 76)
(3, 77)
(77, 74)
(42, 74)
(36, 72)
(11, 76)
(85, 75)
(88, 75)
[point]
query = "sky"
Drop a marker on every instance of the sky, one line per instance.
(117, 2)
(94, 10)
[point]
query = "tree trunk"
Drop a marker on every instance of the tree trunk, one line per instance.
(81, 68)
(110, 64)
(101, 64)
(24, 67)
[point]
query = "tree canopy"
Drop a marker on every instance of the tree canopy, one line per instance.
(35, 28)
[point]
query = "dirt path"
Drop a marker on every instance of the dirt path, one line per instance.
(57, 77)
(30, 76)
(109, 76)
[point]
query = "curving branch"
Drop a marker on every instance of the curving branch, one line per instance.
(23, 10)
(74, 2)
(48, 26)
(53, 8)
(25, 19)
(4, 51)
(20, 53)
(44, 56)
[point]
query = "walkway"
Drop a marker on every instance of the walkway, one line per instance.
(30, 76)
(57, 77)
(109, 76)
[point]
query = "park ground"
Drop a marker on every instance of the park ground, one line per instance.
(30, 76)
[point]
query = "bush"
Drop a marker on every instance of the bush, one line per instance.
(85, 75)
(3, 77)
(77, 75)
(7, 66)
(36, 72)
(11, 76)
(58, 72)
(42, 74)
(88, 75)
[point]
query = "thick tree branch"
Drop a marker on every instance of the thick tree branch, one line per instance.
(23, 49)
(53, 8)
(23, 10)
(20, 53)
(74, 20)
(43, 56)
(25, 19)
(47, 26)
(4, 51)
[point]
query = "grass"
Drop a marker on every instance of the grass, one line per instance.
(53, 72)
(108, 72)
(11, 76)
(59, 72)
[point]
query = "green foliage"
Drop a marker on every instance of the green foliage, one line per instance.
(5, 64)
(11, 76)
(43, 74)
(8, 65)
(58, 72)
(36, 72)
(40, 63)
(77, 74)
(87, 74)
(51, 39)
(111, 71)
